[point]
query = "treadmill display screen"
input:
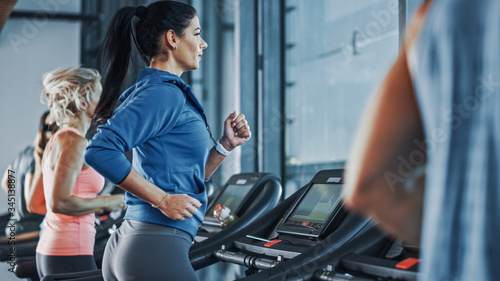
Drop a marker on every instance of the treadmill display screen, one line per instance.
(316, 206)
(232, 196)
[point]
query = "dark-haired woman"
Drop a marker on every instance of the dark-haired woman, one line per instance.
(161, 120)
(24, 172)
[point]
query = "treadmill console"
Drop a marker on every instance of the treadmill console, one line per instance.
(232, 196)
(316, 213)
(318, 208)
(237, 194)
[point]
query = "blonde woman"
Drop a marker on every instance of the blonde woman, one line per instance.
(70, 186)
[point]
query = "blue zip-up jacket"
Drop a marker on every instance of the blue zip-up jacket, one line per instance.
(163, 123)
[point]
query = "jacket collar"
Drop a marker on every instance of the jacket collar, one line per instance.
(150, 76)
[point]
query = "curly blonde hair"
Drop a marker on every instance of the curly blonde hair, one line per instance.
(69, 91)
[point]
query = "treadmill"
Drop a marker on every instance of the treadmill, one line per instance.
(249, 196)
(306, 227)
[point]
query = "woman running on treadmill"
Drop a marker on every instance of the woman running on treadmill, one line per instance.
(162, 122)
(69, 186)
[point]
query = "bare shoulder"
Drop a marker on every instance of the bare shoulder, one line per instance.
(68, 147)
(69, 139)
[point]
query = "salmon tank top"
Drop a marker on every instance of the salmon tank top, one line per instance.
(66, 235)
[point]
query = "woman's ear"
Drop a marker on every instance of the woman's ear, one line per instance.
(171, 39)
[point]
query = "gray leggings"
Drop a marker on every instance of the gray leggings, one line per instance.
(63, 264)
(145, 251)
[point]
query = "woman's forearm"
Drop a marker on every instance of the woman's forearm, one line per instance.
(77, 206)
(213, 162)
(174, 206)
(142, 188)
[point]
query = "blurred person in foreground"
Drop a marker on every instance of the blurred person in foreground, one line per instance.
(439, 107)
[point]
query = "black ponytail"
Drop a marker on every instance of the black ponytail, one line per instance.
(116, 57)
(153, 22)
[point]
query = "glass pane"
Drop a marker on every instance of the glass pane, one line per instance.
(337, 52)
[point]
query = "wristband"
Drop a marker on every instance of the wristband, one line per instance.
(159, 204)
(220, 148)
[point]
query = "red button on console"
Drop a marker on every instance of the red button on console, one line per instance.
(272, 242)
(407, 263)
